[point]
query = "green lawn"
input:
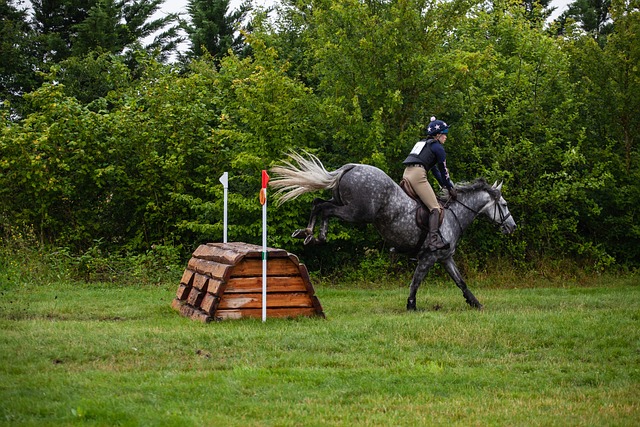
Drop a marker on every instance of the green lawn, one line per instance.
(97, 354)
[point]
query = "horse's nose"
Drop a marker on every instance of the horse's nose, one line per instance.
(509, 228)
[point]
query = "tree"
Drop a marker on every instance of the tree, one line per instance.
(93, 77)
(55, 23)
(537, 10)
(114, 26)
(133, 158)
(374, 64)
(593, 16)
(77, 27)
(17, 54)
(214, 29)
(607, 82)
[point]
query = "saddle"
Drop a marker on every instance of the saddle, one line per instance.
(422, 213)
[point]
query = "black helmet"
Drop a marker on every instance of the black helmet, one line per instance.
(436, 127)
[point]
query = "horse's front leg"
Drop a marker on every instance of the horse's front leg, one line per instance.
(452, 269)
(425, 262)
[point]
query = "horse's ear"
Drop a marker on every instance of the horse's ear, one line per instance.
(499, 185)
(494, 184)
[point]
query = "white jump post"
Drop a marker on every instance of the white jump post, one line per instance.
(263, 201)
(224, 180)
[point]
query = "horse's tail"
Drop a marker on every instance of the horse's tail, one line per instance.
(307, 176)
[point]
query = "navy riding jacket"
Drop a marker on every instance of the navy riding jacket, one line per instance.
(430, 154)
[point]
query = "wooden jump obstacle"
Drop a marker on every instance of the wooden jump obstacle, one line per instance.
(224, 281)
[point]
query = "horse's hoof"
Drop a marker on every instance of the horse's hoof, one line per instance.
(300, 233)
(309, 240)
(475, 304)
(411, 305)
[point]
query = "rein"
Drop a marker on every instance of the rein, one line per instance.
(496, 207)
(447, 206)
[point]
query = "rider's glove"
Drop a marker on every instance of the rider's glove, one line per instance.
(453, 193)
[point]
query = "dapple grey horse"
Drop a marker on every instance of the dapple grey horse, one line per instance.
(365, 194)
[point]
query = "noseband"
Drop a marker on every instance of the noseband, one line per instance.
(496, 207)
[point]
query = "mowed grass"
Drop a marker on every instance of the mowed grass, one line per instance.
(99, 354)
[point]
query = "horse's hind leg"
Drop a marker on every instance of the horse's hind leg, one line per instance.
(452, 269)
(307, 233)
(327, 209)
(424, 264)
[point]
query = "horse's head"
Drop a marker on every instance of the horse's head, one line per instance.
(498, 210)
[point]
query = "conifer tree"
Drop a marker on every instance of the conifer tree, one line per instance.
(214, 28)
(17, 59)
(77, 27)
(593, 16)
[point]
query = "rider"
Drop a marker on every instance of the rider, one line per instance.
(428, 154)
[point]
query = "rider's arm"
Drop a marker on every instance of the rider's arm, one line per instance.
(440, 170)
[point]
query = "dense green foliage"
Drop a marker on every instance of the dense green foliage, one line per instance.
(120, 152)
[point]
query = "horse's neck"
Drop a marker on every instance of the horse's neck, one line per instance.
(465, 211)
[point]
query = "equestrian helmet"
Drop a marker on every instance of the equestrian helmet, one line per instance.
(436, 127)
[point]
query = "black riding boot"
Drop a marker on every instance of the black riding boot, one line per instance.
(435, 240)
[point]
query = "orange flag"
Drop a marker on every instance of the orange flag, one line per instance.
(263, 190)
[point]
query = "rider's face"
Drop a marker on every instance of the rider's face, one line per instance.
(442, 138)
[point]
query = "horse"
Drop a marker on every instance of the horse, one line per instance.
(365, 194)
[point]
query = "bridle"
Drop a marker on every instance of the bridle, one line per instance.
(496, 209)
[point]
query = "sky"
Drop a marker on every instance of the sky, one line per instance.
(180, 6)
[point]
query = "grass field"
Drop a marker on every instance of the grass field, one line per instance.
(102, 354)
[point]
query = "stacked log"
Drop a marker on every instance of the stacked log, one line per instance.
(224, 281)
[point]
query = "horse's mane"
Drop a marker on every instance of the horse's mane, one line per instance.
(475, 185)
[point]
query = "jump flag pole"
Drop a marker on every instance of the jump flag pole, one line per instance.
(263, 202)
(224, 180)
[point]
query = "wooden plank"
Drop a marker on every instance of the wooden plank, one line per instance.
(195, 297)
(176, 304)
(194, 313)
(317, 306)
(304, 273)
(254, 300)
(275, 253)
(274, 284)
(257, 313)
(233, 252)
(294, 259)
(223, 254)
(209, 303)
(216, 286)
(200, 316)
(275, 267)
(186, 310)
(187, 277)
(183, 292)
(210, 268)
(249, 250)
(200, 282)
